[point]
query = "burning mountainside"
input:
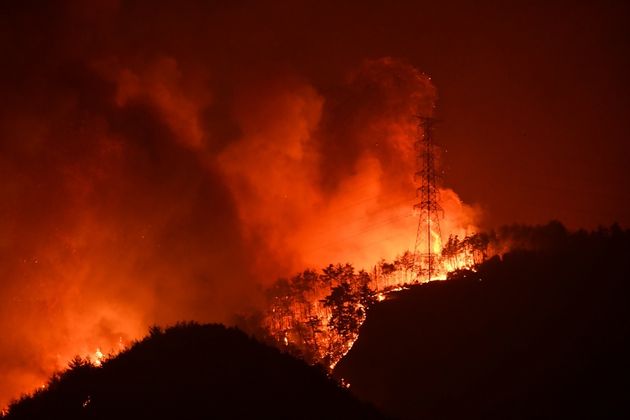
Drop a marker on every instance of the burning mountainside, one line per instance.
(116, 244)
(316, 316)
(165, 160)
(144, 184)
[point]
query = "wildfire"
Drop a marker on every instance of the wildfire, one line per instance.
(317, 316)
(305, 179)
(98, 357)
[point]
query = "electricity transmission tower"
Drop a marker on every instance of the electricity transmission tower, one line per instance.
(428, 235)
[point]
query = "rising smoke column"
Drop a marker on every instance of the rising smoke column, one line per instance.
(332, 180)
(149, 174)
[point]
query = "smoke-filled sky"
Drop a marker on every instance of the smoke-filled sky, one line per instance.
(164, 161)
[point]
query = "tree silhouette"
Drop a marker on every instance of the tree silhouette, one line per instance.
(349, 302)
(314, 315)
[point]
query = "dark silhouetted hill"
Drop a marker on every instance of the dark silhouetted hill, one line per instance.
(193, 371)
(541, 333)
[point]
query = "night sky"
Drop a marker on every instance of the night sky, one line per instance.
(533, 96)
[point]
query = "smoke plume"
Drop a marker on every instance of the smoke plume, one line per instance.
(159, 164)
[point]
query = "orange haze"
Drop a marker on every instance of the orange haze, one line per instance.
(143, 182)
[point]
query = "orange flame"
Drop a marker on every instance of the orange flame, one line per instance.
(150, 216)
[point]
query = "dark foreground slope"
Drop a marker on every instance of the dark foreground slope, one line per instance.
(193, 372)
(539, 334)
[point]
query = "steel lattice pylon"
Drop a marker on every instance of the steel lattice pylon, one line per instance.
(428, 205)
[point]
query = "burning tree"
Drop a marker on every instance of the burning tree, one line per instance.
(465, 253)
(317, 316)
(348, 302)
